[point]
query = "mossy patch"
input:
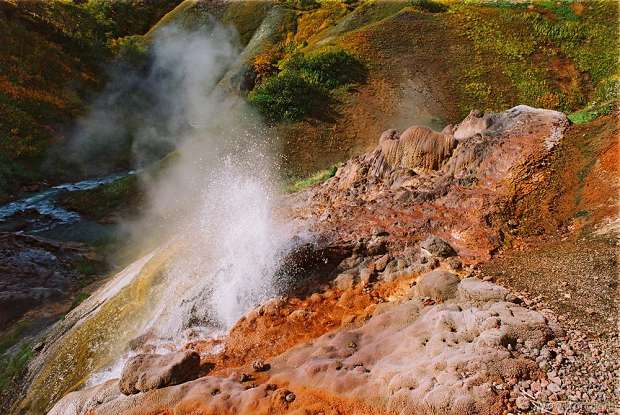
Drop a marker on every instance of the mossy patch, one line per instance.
(122, 196)
(11, 337)
(297, 184)
(13, 365)
(591, 113)
(329, 68)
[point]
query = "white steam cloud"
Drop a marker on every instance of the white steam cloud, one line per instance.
(217, 201)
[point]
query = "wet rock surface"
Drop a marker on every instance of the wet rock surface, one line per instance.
(449, 355)
(35, 271)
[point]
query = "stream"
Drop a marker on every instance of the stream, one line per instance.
(39, 213)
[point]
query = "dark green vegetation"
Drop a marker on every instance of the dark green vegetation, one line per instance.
(327, 68)
(9, 338)
(303, 85)
(12, 365)
(119, 197)
(287, 96)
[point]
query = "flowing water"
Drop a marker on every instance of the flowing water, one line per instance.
(48, 214)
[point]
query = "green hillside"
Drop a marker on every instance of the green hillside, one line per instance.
(421, 61)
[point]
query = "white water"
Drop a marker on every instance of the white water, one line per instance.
(229, 264)
(219, 200)
(225, 266)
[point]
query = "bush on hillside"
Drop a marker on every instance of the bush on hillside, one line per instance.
(329, 69)
(286, 96)
(130, 49)
(303, 85)
(430, 6)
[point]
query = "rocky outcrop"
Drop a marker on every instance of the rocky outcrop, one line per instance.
(409, 357)
(153, 371)
(454, 184)
(376, 323)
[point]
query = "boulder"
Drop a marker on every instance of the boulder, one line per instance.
(144, 372)
(474, 289)
(438, 247)
(438, 285)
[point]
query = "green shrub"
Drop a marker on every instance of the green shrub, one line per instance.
(302, 86)
(287, 96)
(607, 90)
(121, 195)
(302, 4)
(430, 6)
(10, 338)
(329, 69)
(130, 49)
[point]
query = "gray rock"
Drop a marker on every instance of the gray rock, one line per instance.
(473, 289)
(438, 285)
(153, 371)
(438, 247)
(523, 403)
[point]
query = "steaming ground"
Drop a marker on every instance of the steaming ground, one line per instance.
(215, 204)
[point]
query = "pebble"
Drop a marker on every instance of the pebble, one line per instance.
(260, 366)
(523, 403)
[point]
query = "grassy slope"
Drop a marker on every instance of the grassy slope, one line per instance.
(427, 64)
(431, 62)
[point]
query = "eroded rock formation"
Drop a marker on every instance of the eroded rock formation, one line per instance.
(394, 323)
